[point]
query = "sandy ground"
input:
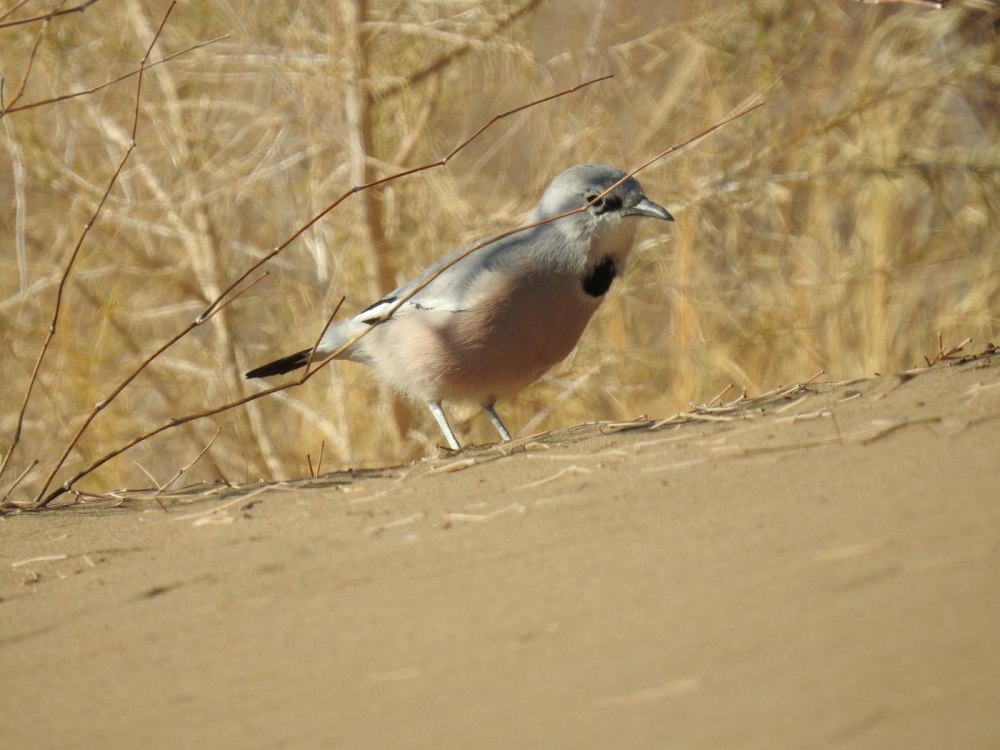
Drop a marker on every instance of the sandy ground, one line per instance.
(819, 568)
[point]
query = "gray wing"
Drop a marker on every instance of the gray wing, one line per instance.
(448, 291)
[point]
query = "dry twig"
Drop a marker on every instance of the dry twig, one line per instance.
(27, 70)
(69, 267)
(20, 477)
(13, 9)
(945, 353)
(94, 89)
(935, 4)
(455, 54)
(46, 17)
(180, 472)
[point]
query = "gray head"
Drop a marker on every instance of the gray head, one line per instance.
(582, 183)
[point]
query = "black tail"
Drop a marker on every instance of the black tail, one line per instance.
(281, 366)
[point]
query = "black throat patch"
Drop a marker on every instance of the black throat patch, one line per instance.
(598, 280)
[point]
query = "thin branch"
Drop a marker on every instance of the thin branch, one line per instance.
(220, 475)
(739, 113)
(148, 473)
(4, 503)
(46, 17)
(237, 294)
(13, 8)
(945, 353)
(936, 4)
(39, 503)
(142, 69)
(329, 322)
(69, 266)
(501, 116)
(451, 56)
(180, 471)
(113, 81)
(27, 68)
(67, 485)
(50, 334)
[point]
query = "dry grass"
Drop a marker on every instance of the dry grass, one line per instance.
(842, 227)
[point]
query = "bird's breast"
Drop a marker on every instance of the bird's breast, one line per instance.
(510, 331)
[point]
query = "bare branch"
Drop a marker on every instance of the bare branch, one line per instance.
(69, 267)
(68, 484)
(935, 4)
(945, 353)
(27, 67)
(142, 68)
(50, 334)
(180, 472)
(460, 51)
(13, 9)
(46, 17)
(707, 131)
(4, 502)
(112, 82)
(329, 322)
(237, 294)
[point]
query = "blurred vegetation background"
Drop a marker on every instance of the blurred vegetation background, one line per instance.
(842, 227)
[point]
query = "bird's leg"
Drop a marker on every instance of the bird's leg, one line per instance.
(495, 419)
(442, 420)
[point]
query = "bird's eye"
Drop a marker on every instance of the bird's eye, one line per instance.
(610, 203)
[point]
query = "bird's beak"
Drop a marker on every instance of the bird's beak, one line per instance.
(646, 207)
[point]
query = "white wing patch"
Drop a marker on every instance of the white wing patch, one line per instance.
(374, 313)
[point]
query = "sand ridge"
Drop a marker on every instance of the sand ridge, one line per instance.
(817, 568)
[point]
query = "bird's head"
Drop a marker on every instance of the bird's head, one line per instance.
(586, 184)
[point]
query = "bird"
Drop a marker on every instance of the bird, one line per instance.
(496, 320)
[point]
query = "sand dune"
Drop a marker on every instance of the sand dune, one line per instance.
(818, 568)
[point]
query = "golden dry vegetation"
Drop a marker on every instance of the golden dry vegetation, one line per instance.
(842, 227)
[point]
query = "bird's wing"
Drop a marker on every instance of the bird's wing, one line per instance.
(447, 289)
